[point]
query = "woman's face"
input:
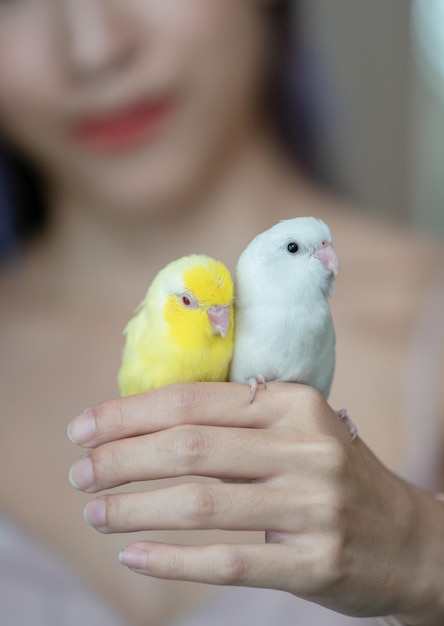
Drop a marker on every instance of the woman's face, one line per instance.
(131, 102)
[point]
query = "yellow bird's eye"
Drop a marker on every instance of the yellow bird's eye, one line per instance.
(188, 301)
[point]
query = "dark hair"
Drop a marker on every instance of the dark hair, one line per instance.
(23, 210)
(294, 87)
(22, 200)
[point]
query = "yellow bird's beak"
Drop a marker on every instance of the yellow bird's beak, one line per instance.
(219, 317)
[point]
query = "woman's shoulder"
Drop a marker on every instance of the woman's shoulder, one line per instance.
(384, 265)
(387, 270)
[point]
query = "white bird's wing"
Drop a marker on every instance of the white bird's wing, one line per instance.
(284, 345)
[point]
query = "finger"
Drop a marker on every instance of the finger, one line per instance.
(218, 404)
(226, 453)
(201, 506)
(272, 566)
(224, 404)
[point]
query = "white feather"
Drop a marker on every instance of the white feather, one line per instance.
(283, 325)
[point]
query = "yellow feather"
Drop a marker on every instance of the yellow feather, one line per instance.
(167, 341)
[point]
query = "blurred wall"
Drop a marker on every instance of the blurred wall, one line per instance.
(363, 51)
(427, 118)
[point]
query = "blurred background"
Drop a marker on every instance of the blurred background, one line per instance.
(377, 68)
(383, 129)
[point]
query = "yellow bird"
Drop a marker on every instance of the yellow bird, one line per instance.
(183, 328)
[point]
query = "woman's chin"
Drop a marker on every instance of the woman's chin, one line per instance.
(143, 196)
(145, 182)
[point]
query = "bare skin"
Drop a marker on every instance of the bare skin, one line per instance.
(328, 508)
(117, 220)
(91, 335)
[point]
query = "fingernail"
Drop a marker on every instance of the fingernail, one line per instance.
(81, 474)
(82, 428)
(95, 513)
(134, 558)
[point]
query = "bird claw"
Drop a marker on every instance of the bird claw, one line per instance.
(352, 429)
(254, 383)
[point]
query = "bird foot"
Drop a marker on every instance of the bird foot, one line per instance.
(352, 429)
(254, 383)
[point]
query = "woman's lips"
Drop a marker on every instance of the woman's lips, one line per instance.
(123, 129)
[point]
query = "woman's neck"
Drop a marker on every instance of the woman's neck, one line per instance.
(95, 253)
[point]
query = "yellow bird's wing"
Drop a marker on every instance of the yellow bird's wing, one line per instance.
(142, 355)
(152, 360)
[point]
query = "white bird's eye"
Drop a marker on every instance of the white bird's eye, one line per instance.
(186, 301)
(292, 247)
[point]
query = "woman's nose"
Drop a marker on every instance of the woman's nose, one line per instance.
(99, 35)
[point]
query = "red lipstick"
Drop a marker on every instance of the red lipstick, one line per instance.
(123, 129)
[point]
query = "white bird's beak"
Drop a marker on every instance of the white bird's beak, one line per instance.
(326, 254)
(219, 317)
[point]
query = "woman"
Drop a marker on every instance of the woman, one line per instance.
(150, 126)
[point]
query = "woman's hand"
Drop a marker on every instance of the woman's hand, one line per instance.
(340, 529)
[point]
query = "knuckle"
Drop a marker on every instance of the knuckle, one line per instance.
(309, 401)
(185, 397)
(311, 398)
(233, 568)
(314, 396)
(173, 565)
(334, 512)
(335, 457)
(200, 504)
(190, 445)
(332, 560)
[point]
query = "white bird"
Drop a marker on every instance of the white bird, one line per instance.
(283, 325)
